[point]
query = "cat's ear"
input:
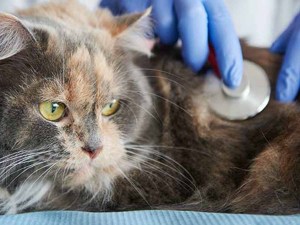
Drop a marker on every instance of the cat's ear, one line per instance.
(133, 31)
(14, 36)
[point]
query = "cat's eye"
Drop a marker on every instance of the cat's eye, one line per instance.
(111, 108)
(52, 111)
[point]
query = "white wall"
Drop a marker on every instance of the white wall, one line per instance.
(261, 21)
(258, 21)
(11, 5)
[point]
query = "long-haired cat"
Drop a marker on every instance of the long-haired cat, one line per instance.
(89, 123)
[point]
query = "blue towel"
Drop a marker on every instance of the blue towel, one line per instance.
(144, 218)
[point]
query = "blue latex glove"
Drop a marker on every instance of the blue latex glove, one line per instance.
(196, 23)
(288, 44)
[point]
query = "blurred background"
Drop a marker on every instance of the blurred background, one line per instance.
(259, 22)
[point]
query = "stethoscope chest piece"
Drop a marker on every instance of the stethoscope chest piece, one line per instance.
(244, 102)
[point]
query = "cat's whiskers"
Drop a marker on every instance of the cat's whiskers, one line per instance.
(56, 174)
(131, 111)
(176, 148)
(152, 150)
(7, 169)
(24, 158)
(12, 157)
(173, 81)
(17, 148)
(44, 174)
(24, 169)
(133, 185)
(16, 152)
(165, 99)
(28, 153)
(142, 95)
(21, 156)
(40, 179)
(157, 119)
(61, 194)
(154, 70)
(106, 196)
(12, 166)
(157, 153)
(168, 79)
(165, 78)
(28, 201)
(160, 170)
(144, 169)
(39, 169)
(66, 168)
(191, 186)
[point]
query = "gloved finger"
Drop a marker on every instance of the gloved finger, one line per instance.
(288, 82)
(118, 7)
(165, 21)
(132, 6)
(192, 27)
(112, 5)
(225, 42)
(280, 45)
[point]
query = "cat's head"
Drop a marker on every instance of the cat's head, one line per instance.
(71, 97)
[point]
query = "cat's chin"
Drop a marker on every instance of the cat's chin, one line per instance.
(94, 179)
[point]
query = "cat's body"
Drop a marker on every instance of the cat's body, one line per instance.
(162, 149)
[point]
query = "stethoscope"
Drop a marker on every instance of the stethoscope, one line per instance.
(244, 102)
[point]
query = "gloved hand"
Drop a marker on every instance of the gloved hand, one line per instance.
(288, 44)
(195, 22)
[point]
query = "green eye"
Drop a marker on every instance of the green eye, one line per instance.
(111, 108)
(52, 111)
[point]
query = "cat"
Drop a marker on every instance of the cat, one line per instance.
(92, 120)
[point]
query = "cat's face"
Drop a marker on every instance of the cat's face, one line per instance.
(79, 101)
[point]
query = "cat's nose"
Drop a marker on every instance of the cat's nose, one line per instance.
(92, 152)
